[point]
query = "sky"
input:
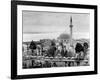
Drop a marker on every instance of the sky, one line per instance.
(39, 24)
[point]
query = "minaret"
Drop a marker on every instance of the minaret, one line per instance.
(71, 30)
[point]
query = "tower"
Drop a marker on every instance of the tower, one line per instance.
(71, 30)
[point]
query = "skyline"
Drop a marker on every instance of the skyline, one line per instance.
(51, 24)
(37, 37)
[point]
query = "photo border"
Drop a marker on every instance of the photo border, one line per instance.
(14, 38)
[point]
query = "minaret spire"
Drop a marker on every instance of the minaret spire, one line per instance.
(71, 22)
(71, 30)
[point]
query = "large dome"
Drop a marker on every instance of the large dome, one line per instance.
(64, 36)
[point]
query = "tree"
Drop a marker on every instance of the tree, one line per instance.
(32, 46)
(53, 43)
(85, 45)
(79, 48)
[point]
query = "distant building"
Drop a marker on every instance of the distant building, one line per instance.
(64, 38)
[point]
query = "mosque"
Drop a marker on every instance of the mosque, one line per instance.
(67, 37)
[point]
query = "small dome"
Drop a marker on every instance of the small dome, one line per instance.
(64, 36)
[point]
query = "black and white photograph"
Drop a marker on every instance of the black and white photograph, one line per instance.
(53, 39)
